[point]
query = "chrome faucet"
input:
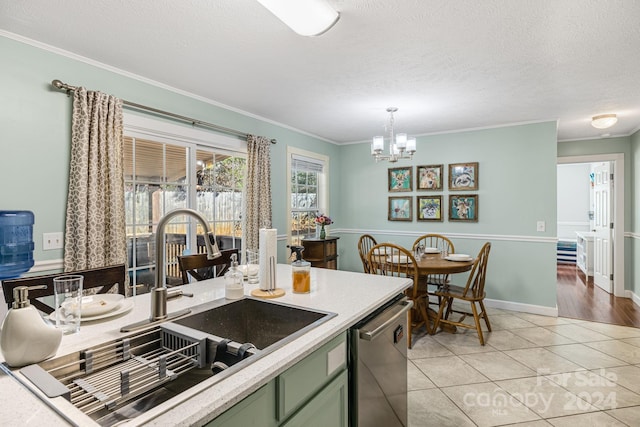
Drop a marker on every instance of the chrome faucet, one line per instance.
(159, 291)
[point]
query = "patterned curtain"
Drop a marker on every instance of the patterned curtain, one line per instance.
(95, 234)
(258, 189)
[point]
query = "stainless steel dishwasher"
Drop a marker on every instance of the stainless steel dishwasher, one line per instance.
(378, 375)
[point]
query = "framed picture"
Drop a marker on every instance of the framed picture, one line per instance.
(400, 209)
(429, 208)
(400, 179)
(463, 176)
(463, 207)
(429, 177)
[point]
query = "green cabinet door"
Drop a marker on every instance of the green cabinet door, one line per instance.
(313, 392)
(303, 380)
(256, 410)
(328, 408)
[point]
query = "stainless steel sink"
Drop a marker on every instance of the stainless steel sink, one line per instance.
(121, 379)
(255, 321)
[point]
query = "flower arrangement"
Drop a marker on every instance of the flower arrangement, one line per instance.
(323, 220)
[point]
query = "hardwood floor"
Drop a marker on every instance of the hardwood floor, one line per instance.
(580, 300)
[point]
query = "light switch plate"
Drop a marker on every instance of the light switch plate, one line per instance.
(541, 226)
(52, 241)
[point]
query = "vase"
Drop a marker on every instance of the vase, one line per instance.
(323, 233)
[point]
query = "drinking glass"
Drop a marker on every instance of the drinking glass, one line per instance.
(252, 268)
(68, 301)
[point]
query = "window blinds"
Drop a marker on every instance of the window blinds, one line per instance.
(306, 164)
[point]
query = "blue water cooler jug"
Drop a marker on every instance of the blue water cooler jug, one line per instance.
(16, 243)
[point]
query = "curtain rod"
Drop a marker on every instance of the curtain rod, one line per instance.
(68, 88)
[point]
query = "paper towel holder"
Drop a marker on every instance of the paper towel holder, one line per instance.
(272, 291)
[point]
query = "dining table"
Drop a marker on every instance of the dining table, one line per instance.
(431, 263)
(437, 263)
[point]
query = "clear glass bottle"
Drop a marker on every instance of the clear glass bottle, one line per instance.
(300, 272)
(233, 280)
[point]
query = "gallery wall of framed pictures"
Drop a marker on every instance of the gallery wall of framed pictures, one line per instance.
(462, 178)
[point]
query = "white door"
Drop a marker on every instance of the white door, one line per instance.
(602, 215)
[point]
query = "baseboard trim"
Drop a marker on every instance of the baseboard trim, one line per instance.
(635, 298)
(521, 307)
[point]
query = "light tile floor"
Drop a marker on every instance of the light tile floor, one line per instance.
(533, 371)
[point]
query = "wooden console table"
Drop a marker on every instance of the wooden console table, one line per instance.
(321, 253)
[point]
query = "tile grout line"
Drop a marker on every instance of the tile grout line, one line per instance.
(451, 348)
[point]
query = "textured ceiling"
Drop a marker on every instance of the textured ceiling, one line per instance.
(447, 65)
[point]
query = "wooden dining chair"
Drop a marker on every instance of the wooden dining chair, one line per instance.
(387, 259)
(199, 267)
(365, 243)
(435, 241)
(472, 292)
(435, 281)
(99, 280)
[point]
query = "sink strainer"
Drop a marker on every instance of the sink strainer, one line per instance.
(106, 376)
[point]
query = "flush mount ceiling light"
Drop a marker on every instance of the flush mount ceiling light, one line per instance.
(305, 17)
(604, 121)
(400, 147)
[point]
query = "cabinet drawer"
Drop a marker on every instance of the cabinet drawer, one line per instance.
(300, 382)
(313, 251)
(322, 253)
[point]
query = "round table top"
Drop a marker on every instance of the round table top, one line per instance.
(436, 264)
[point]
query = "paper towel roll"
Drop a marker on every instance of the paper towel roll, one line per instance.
(268, 241)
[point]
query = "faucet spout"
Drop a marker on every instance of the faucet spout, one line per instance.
(159, 292)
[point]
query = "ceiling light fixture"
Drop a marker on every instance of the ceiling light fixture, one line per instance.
(400, 147)
(604, 121)
(305, 17)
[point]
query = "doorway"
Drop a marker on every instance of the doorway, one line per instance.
(578, 299)
(582, 305)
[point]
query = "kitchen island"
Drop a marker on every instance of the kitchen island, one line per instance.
(351, 296)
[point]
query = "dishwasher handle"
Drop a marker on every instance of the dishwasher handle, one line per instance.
(402, 307)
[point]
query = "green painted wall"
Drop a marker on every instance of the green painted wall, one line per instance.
(613, 146)
(517, 172)
(517, 188)
(605, 146)
(35, 133)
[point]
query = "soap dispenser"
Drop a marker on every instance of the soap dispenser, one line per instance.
(25, 337)
(233, 280)
(300, 271)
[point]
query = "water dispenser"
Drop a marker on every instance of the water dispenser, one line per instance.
(16, 243)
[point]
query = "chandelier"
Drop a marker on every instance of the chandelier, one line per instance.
(400, 147)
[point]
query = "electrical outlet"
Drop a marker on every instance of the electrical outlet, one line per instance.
(52, 241)
(541, 226)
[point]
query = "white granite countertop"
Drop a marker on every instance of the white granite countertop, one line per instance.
(351, 296)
